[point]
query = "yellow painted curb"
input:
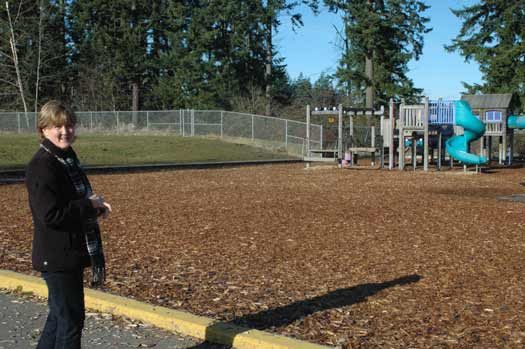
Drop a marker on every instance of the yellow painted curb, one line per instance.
(173, 320)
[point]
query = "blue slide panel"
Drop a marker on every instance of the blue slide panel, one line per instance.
(514, 121)
(458, 146)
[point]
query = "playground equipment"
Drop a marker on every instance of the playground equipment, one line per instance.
(488, 117)
(329, 145)
(342, 138)
(422, 127)
(448, 128)
(495, 111)
(458, 146)
(517, 122)
(412, 122)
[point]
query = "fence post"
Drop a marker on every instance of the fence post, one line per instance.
(308, 130)
(147, 120)
(253, 131)
(180, 122)
(117, 123)
(222, 124)
(18, 120)
(321, 137)
(193, 122)
(286, 134)
(182, 117)
(91, 121)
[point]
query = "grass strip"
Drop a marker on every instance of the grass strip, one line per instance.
(109, 150)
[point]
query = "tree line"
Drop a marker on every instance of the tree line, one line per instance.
(166, 54)
(493, 35)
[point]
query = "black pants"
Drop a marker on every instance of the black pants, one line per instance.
(65, 320)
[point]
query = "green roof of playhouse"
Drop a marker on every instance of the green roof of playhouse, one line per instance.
(488, 101)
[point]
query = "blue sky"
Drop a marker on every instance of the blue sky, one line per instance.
(313, 49)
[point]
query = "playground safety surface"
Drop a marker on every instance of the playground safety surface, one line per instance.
(365, 258)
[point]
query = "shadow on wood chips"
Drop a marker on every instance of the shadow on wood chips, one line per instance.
(282, 316)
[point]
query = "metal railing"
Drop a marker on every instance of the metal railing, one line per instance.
(441, 112)
(269, 132)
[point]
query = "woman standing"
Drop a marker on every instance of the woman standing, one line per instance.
(66, 235)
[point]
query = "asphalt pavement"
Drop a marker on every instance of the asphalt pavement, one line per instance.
(22, 318)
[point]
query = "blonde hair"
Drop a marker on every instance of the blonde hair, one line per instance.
(55, 113)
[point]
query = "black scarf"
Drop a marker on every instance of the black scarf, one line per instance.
(90, 226)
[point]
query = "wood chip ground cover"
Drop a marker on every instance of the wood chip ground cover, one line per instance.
(350, 258)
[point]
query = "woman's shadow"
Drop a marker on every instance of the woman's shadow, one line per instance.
(225, 332)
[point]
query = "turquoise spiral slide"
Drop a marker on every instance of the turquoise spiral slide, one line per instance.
(515, 121)
(458, 146)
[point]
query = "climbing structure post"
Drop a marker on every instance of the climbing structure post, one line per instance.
(425, 136)
(392, 128)
(401, 135)
(340, 132)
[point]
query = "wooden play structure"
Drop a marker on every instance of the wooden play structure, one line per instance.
(342, 139)
(493, 110)
(435, 121)
(420, 126)
(418, 131)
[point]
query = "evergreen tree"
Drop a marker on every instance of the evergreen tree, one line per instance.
(301, 90)
(324, 93)
(111, 51)
(238, 47)
(382, 36)
(218, 54)
(126, 54)
(493, 34)
(187, 66)
(273, 10)
(55, 76)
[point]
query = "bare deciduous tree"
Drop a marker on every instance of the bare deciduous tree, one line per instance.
(14, 52)
(38, 64)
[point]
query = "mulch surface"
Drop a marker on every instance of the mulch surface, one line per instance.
(350, 258)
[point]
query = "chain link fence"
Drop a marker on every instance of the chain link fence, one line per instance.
(268, 132)
(362, 137)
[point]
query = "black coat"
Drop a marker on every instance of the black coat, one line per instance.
(58, 213)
